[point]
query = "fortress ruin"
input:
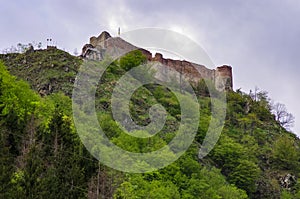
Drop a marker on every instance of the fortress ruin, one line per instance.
(104, 44)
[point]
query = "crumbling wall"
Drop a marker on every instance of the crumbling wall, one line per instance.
(105, 44)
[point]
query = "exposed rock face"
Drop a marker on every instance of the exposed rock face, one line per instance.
(287, 181)
(104, 44)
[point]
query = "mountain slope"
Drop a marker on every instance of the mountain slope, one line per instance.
(42, 156)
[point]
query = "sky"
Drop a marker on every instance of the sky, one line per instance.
(260, 39)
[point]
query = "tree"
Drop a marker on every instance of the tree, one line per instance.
(209, 183)
(227, 153)
(138, 187)
(285, 154)
(132, 59)
(245, 175)
(6, 164)
(284, 118)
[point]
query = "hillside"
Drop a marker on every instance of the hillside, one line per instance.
(47, 71)
(42, 156)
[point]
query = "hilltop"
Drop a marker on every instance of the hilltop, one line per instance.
(47, 71)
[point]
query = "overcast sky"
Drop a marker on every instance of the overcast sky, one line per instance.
(260, 39)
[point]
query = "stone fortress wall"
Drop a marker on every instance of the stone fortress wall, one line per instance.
(104, 44)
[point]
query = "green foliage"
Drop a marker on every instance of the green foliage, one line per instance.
(245, 175)
(41, 156)
(132, 59)
(237, 162)
(286, 195)
(138, 187)
(47, 71)
(17, 100)
(227, 154)
(285, 155)
(6, 164)
(209, 183)
(135, 144)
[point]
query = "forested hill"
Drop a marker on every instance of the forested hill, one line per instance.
(41, 155)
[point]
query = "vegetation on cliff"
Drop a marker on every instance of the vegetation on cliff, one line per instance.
(42, 156)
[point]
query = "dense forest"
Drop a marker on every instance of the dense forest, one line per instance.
(42, 156)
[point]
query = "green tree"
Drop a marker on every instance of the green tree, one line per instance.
(137, 187)
(132, 59)
(227, 154)
(245, 175)
(285, 154)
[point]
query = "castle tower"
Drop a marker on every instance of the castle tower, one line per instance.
(100, 40)
(223, 78)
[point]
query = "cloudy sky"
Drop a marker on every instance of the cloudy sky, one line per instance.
(260, 39)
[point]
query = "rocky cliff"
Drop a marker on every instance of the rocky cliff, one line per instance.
(104, 44)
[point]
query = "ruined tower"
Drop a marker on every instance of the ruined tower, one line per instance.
(223, 78)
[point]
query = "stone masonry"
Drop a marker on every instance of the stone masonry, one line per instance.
(104, 45)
